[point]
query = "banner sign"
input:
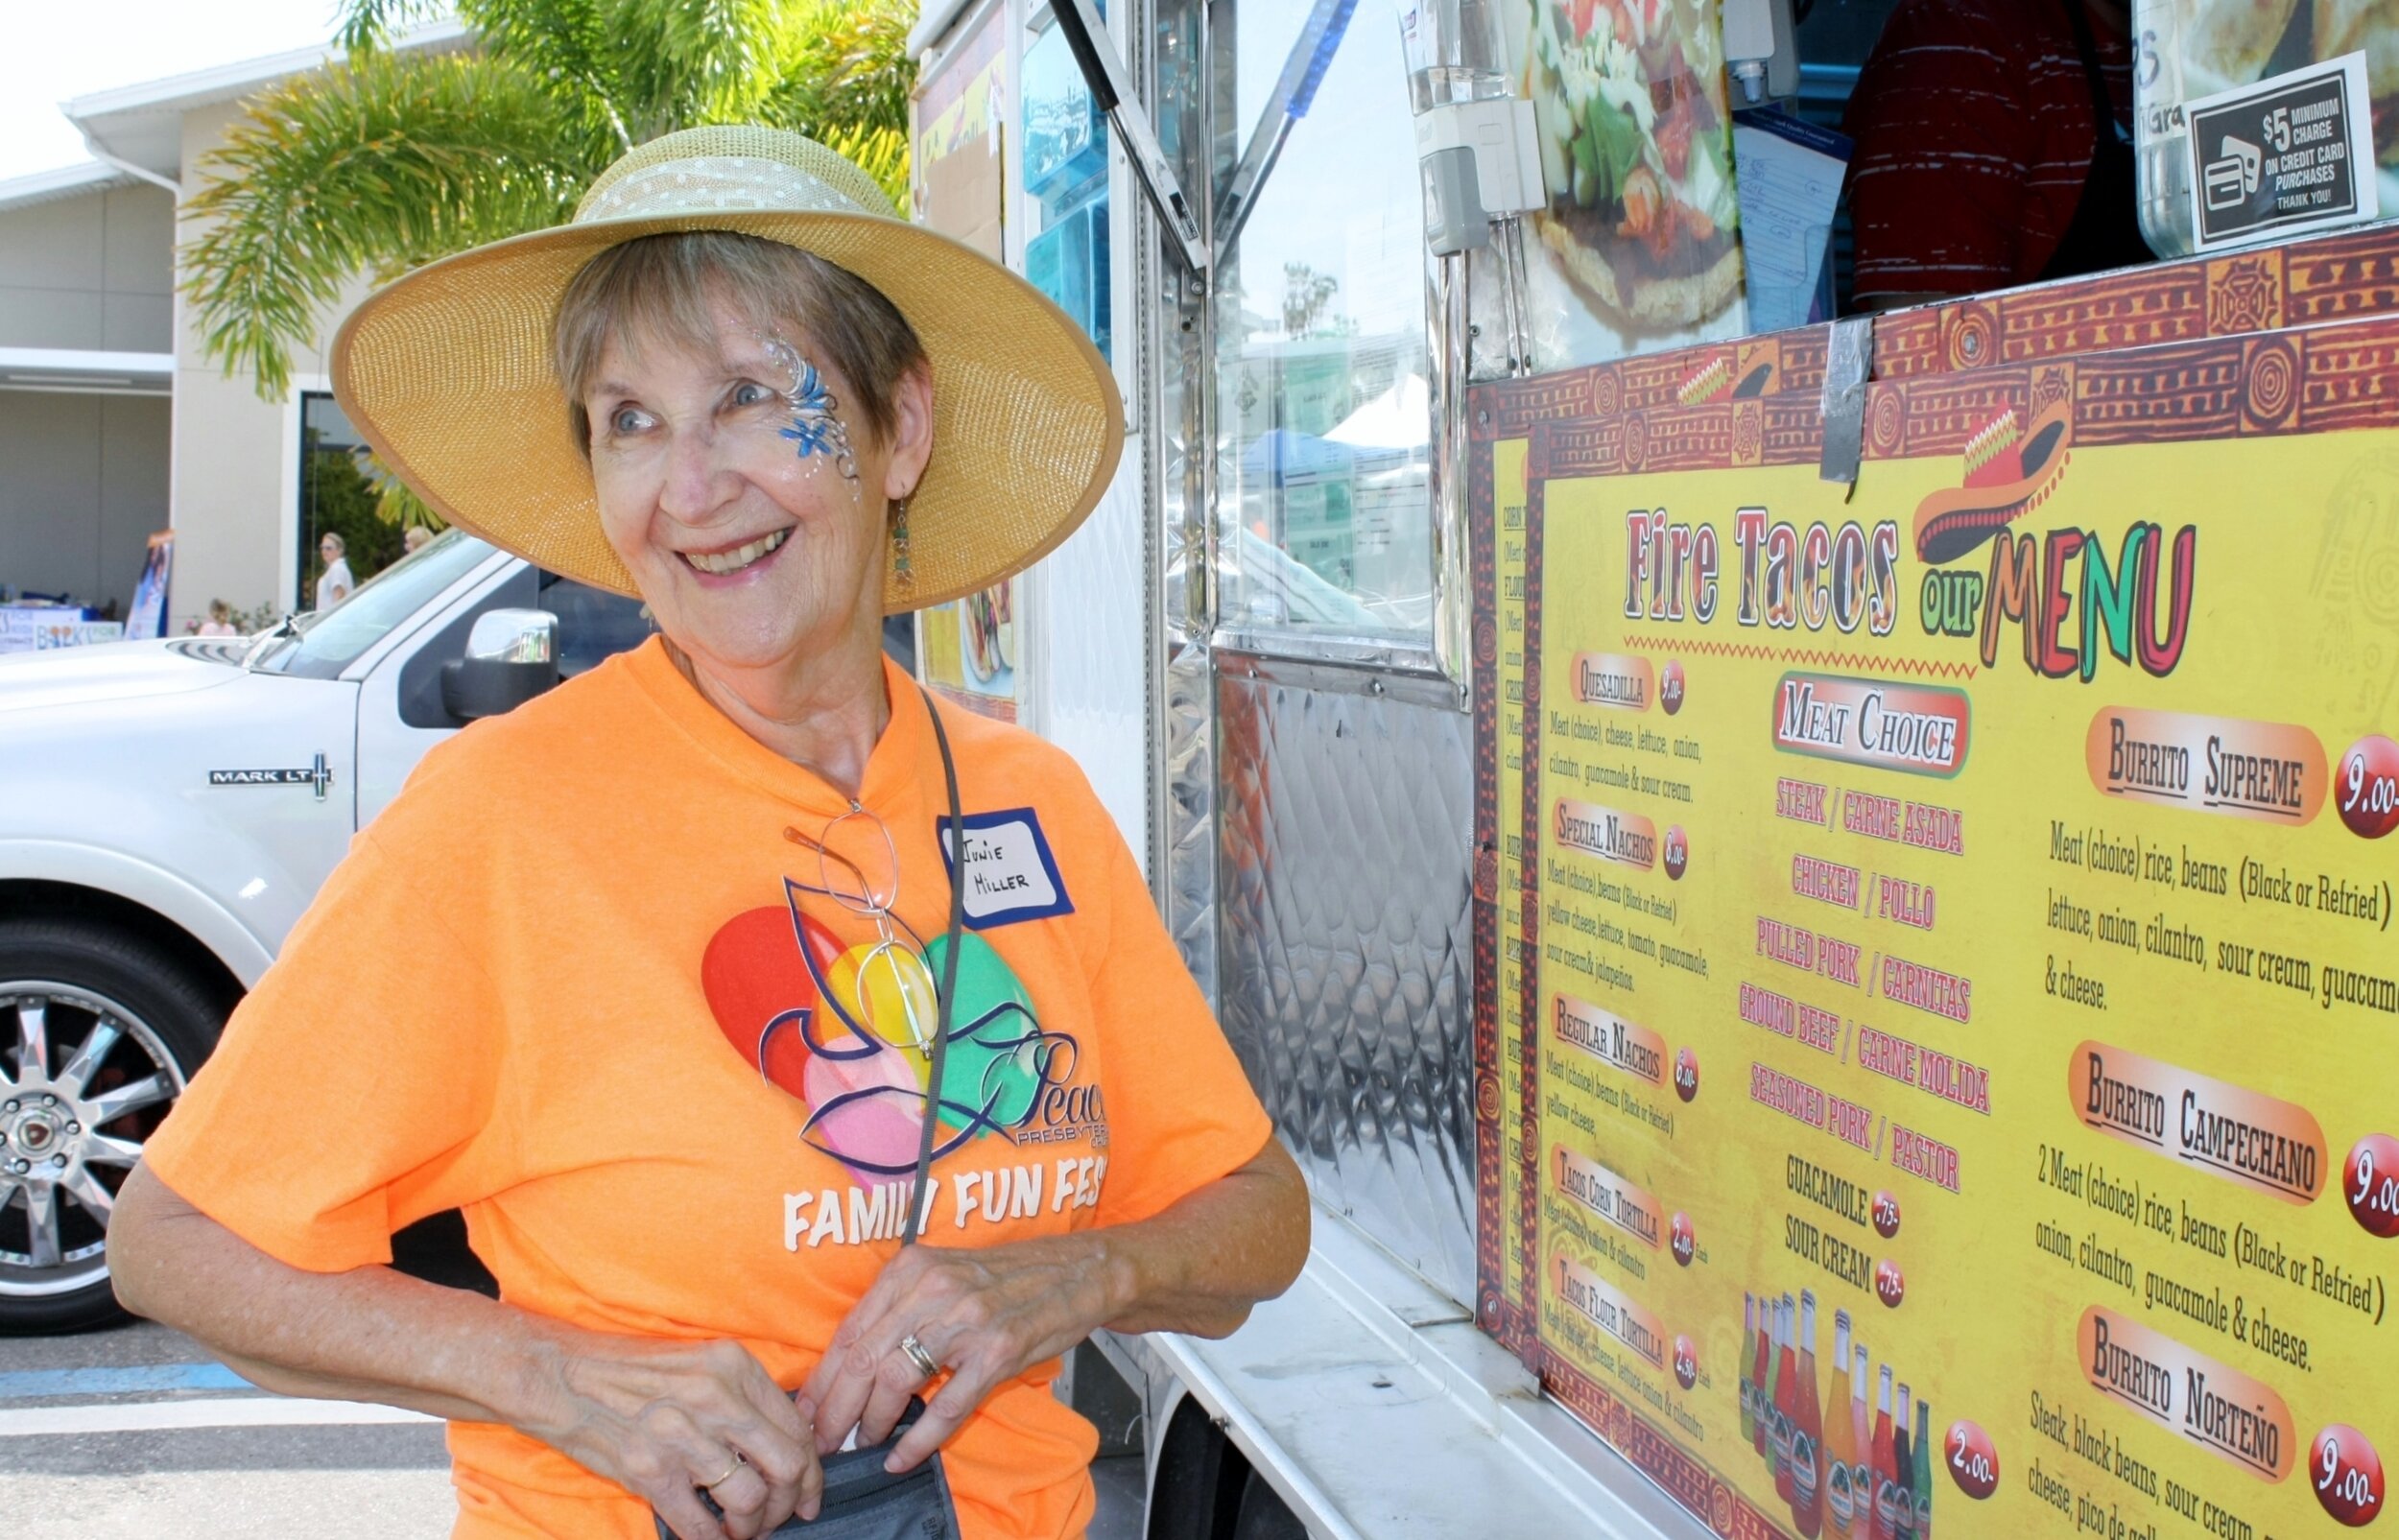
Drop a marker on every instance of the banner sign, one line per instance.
(1936, 979)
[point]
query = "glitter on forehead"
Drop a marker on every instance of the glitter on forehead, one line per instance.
(813, 429)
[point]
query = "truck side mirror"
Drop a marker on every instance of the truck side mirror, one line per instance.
(511, 656)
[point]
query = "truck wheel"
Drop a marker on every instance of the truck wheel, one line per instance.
(98, 1032)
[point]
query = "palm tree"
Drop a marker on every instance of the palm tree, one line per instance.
(391, 158)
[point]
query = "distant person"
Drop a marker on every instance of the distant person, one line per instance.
(415, 540)
(1994, 148)
(337, 584)
(219, 621)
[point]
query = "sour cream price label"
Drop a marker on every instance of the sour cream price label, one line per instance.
(2366, 787)
(2370, 1183)
(1973, 1463)
(2348, 1475)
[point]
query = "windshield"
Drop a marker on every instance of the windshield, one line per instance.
(321, 643)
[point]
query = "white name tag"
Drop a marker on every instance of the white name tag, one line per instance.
(1010, 874)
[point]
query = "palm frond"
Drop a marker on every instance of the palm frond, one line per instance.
(881, 152)
(367, 25)
(712, 60)
(846, 61)
(578, 49)
(372, 167)
(398, 506)
(393, 159)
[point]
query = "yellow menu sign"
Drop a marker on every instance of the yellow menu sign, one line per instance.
(1935, 1063)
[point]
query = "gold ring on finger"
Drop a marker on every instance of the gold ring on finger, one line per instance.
(730, 1470)
(926, 1364)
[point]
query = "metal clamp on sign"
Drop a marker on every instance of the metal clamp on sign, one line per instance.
(1481, 163)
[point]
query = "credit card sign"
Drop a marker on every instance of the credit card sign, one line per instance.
(2284, 157)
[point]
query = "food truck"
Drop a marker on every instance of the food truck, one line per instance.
(1811, 887)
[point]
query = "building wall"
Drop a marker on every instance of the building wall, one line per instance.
(91, 272)
(84, 477)
(82, 484)
(232, 495)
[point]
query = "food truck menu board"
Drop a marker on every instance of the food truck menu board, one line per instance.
(1939, 997)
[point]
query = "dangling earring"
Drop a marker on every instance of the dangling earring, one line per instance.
(899, 539)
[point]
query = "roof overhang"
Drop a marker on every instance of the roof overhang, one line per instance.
(85, 371)
(141, 127)
(55, 186)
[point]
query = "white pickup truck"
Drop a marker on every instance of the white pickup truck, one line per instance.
(167, 811)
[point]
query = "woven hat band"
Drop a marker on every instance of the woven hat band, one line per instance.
(714, 184)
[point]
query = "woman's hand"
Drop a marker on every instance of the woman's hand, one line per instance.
(659, 1418)
(986, 1316)
(662, 1418)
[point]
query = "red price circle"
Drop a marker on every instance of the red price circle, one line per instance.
(1686, 1363)
(1670, 688)
(2369, 1181)
(1885, 1213)
(1678, 853)
(2347, 1475)
(1685, 1240)
(1890, 1286)
(2366, 787)
(1973, 1463)
(1686, 1075)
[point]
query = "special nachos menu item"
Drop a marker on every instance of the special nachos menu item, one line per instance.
(1636, 144)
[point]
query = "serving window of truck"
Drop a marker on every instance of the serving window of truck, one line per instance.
(1769, 668)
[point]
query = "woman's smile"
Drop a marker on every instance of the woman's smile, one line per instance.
(723, 566)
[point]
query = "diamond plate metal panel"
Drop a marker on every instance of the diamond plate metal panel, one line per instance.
(1190, 813)
(1345, 834)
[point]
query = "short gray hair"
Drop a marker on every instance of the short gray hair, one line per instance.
(663, 288)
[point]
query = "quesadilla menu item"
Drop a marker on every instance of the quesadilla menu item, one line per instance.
(1637, 147)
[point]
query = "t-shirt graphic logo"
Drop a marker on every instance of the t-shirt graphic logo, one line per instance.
(801, 1007)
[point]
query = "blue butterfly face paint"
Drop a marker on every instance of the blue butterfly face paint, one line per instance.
(814, 430)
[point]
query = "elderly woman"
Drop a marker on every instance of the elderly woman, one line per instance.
(732, 956)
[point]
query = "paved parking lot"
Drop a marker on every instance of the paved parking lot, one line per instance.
(135, 1433)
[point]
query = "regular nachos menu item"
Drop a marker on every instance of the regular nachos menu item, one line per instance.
(1636, 145)
(1955, 981)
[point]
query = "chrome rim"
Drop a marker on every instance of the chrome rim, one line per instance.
(84, 1082)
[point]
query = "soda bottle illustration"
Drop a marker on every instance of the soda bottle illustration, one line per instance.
(1901, 1501)
(1884, 1470)
(1840, 1440)
(1786, 1400)
(1862, 1460)
(1761, 1380)
(1807, 1432)
(1748, 1394)
(1923, 1482)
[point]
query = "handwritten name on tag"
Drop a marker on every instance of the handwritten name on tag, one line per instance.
(1010, 874)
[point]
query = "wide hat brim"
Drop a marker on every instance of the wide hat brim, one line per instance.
(447, 374)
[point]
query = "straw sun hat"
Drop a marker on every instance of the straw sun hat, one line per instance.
(447, 371)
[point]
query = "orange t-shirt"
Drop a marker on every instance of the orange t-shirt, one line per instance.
(543, 986)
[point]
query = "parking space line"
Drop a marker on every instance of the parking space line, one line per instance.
(24, 1385)
(243, 1411)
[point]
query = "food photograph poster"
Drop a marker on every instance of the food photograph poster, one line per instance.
(1935, 976)
(1639, 246)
